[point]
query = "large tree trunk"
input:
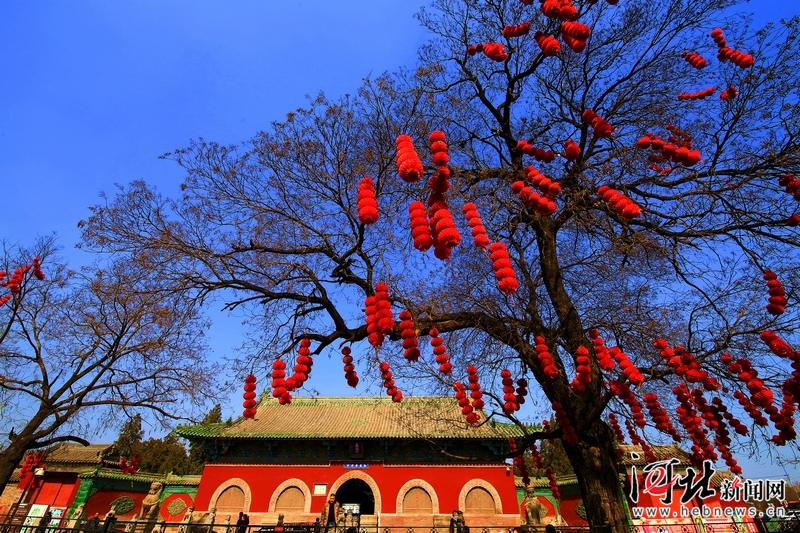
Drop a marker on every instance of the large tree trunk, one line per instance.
(11, 457)
(594, 462)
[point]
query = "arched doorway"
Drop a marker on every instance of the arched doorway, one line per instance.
(357, 491)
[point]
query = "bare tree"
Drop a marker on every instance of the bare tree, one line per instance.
(81, 348)
(651, 235)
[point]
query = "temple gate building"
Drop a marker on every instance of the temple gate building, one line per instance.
(408, 464)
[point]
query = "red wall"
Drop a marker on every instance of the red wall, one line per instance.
(446, 480)
(56, 490)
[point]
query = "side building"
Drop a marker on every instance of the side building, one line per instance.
(408, 464)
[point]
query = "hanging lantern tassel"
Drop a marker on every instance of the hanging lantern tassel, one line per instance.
(249, 403)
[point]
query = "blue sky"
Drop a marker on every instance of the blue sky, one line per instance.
(92, 92)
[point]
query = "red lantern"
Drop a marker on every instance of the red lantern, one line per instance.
(420, 230)
(367, 203)
(409, 165)
(495, 52)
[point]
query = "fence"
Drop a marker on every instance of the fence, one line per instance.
(112, 525)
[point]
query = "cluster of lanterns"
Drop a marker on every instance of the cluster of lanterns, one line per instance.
(444, 234)
(777, 294)
(694, 59)
(495, 52)
(629, 370)
(602, 129)
(466, 403)
(723, 439)
(519, 462)
(442, 359)
(549, 45)
(791, 185)
(604, 359)
(379, 315)
(516, 31)
(349, 368)
(678, 149)
(546, 156)
(15, 281)
(249, 396)
(280, 390)
(367, 203)
(474, 49)
(636, 440)
(748, 407)
(420, 229)
(725, 53)
(32, 462)
(699, 95)
(571, 150)
(129, 468)
(532, 199)
(583, 372)
(409, 165)
(685, 365)
(510, 402)
(503, 268)
(729, 94)
(575, 35)
(567, 429)
(479, 236)
(701, 448)
(623, 391)
(37, 269)
(737, 426)
(554, 490)
(618, 434)
(620, 203)
(779, 346)
(548, 187)
(303, 364)
(559, 9)
(475, 394)
(388, 382)
(408, 334)
(659, 416)
(439, 182)
(545, 359)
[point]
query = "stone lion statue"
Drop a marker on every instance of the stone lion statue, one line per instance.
(534, 510)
